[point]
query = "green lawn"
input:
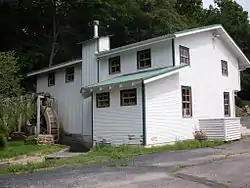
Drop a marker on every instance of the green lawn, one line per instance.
(111, 154)
(17, 148)
(246, 103)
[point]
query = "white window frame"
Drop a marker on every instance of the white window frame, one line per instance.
(115, 63)
(227, 106)
(185, 56)
(144, 60)
(103, 100)
(69, 74)
(187, 104)
(51, 79)
(224, 68)
(131, 96)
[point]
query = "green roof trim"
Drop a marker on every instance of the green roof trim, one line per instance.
(142, 75)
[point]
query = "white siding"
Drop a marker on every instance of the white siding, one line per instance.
(222, 129)
(161, 56)
(214, 129)
(89, 76)
(163, 112)
(68, 98)
(116, 122)
(233, 129)
(205, 76)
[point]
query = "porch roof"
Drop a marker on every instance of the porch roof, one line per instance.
(137, 76)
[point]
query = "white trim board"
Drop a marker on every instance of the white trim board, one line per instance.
(55, 67)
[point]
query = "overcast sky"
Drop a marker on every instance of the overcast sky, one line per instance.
(244, 3)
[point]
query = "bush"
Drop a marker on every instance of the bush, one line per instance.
(31, 140)
(3, 142)
(199, 135)
(239, 102)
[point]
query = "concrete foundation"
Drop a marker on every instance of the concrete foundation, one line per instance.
(77, 142)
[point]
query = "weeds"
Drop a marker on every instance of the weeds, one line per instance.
(109, 153)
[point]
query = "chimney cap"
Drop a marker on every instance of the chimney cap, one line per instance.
(96, 22)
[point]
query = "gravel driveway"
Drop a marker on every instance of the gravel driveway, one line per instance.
(225, 166)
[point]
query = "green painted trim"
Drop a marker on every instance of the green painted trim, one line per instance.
(143, 114)
(186, 87)
(173, 51)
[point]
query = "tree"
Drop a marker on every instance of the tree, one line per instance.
(192, 9)
(9, 75)
(9, 85)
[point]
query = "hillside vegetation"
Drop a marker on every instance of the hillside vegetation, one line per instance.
(43, 33)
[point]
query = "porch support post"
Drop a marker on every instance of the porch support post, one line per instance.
(38, 115)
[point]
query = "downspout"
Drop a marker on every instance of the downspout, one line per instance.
(98, 69)
(92, 121)
(144, 139)
(173, 51)
(81, 87)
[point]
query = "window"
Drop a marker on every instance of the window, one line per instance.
(144, 59)
(114, 65)
(226, 104)
(51, 79)
(184, 55)
(102, 100)
(69, 76)
(186, 101)
(224, 68)
(128, 97)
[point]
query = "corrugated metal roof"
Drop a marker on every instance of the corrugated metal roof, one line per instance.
(136, 76)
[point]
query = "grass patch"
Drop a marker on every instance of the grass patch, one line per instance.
(245, 103)
(18, 148)
(108, 154)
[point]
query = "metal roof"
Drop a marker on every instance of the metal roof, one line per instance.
(137, 76)
(157, 39)
(54, 67)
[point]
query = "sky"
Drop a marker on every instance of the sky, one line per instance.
(244, 3)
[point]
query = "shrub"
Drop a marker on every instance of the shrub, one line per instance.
(199, 135)
(31, 140)
(3, 142)
(239, 102)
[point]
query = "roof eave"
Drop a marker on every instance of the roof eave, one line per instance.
(183, 34)
(110, 86)
(160, 76)
(59, 66)
(134, 45)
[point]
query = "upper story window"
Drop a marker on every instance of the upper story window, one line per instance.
(184, 55)
(51, 79)
(144, 59)
(226, 104)
(102, 100)
(128, 97)
(114, 65)
(69, 74)
(224, 68)
(186, 101)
